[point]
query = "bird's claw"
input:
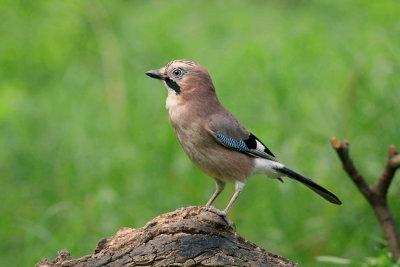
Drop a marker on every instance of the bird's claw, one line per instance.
(222, 214)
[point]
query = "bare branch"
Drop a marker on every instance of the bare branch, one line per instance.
(376, 194)
(342, 149)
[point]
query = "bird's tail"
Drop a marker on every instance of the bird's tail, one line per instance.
(310, 184)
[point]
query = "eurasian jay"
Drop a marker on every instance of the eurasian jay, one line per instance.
(213, 138)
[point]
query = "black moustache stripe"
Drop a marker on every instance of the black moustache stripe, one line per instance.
(173, 85)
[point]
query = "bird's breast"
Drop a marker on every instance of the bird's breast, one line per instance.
(215, 160)
(189, 121)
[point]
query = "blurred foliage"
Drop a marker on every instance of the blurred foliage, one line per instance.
(87, 148)
(382, 258)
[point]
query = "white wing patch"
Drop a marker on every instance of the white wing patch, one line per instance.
(259, 146)
(258, 149)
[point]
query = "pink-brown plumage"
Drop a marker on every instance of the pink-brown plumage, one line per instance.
(212, 137)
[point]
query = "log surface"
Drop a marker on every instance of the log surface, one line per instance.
(192, 236)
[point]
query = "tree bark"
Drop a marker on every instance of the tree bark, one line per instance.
(193, 236)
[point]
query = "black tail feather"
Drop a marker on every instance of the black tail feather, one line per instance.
(310, 184)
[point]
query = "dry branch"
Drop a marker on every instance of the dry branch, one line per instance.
(193, 236)
(376, 194)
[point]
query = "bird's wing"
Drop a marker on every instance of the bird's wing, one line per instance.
(230, 133)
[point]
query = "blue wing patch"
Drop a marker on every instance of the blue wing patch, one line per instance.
(251, 146)
(239, 145)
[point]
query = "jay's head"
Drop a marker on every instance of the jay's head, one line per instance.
(183, 76)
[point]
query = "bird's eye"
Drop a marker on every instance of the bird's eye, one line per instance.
(177, 72)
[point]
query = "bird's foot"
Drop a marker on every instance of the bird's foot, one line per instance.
(216, 211)
(222, 214)
(229, 222)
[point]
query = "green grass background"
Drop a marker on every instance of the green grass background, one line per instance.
(86, 146)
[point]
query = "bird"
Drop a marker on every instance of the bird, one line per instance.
(215, 141)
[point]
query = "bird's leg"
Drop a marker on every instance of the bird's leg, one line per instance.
(219, 187)
(238, 188)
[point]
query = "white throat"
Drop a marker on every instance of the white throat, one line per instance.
(172, 102)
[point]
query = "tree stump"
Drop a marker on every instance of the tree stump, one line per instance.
(192, 236)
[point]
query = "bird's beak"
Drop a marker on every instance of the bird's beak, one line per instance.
(156, 74)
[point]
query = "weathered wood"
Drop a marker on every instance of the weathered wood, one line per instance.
(193, 236)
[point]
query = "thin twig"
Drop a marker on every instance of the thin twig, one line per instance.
(387, 174)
